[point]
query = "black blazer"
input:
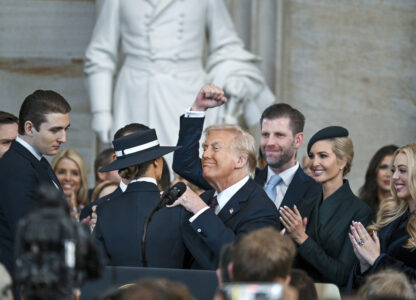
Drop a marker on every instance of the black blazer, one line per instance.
(21, 173)
(327, 254)
(249, 209)
(87, 210)
(393, 255)
(187, 164)
(120, 223)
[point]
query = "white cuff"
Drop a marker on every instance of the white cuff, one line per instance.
(194, 114)
(193, 218)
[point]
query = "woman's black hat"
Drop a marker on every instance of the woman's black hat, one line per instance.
(135, 149)
(327, 133)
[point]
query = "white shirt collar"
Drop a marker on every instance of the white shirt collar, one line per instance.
(287, 175)
(123, 186)
(29, 147)
(146, 179)
(229, 192)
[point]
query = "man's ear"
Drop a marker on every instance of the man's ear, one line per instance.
(298, 140)
(241, 162)
(287, 279)
(29, 127)
(101, 176)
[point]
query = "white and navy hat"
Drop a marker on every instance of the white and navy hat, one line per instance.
(135, 149)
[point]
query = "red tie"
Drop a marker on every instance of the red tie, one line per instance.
(213, 204)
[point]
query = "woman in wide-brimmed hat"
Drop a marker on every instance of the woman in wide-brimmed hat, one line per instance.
(120, 221)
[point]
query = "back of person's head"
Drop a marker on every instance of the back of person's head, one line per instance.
(7, 118)
(5, 284)
(37, 105)
(157, 289)
(226, 257)
(283, 110)
(389, 284)
(303, 284)
(129, 129)
(263, 255)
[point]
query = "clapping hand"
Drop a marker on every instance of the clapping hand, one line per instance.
(294, 224)
(366, 247)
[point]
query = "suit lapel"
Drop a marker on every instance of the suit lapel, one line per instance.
(261, 176)
(232, 207)
(296, 188)
(36, 164)
(161, 6)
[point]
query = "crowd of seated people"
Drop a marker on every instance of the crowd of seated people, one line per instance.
(278, 223)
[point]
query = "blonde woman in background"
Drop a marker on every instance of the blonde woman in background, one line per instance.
(69, 168)
(391, 240)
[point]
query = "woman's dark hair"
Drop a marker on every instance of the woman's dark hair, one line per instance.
(368, 192)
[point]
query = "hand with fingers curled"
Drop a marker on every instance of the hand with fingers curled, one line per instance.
(190, 201)
(366, 247)
(208, 97)
(294, 223)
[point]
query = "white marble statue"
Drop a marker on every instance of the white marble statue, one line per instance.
(162, 45)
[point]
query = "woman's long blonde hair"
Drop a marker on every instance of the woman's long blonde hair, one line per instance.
(82, 195)
(394, 207)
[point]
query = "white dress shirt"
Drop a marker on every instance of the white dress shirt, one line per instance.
(223, 197)
(286, 176)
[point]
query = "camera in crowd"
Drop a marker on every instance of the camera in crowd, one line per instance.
(54, 253)
(253, 291)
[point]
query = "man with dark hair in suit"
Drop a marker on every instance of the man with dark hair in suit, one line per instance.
(235, 204)
(43, 122)
(8, 131)
(281, 135)
(124, 131)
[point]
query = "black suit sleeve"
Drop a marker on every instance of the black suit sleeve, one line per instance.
(186, 161)
(97, 237)
(23, 183)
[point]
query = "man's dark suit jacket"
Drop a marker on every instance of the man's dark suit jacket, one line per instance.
(249, 209)
(327, 254)
(187, 164)
(21, 173)
(393, 255)
(87, 210)
(120, 226)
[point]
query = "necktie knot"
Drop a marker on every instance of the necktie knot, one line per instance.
(270, 188)
(213, 204)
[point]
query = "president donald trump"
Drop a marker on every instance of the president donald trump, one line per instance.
(236, 205)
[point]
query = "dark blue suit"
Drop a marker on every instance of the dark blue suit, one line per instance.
(393, 255)
(249, 209)
(187, 164)
(87, 210)
(21, 173)
(120, 225)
